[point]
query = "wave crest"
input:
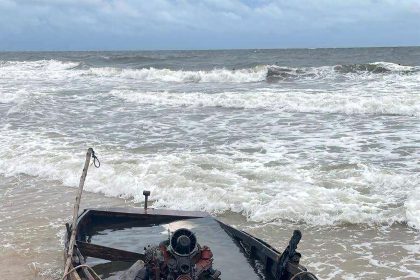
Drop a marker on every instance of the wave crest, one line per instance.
(255, 74)
(349, 71)
(269, 73)
(261, 73)
(375, 68)
(38, 65)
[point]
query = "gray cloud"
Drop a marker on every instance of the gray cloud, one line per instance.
(186, 24)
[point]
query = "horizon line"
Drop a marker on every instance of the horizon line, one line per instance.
(216, 49)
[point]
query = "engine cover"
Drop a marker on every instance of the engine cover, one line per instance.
(183, 242)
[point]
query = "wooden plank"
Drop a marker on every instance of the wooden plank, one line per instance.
(132, 272)
(72, 239)
(107, 253)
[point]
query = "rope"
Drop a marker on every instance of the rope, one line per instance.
(302, 273)
(79, 266)
(96, 161)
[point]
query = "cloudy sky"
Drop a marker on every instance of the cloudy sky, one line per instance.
(206, 24)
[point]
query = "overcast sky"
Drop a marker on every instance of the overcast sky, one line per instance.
(206, 24)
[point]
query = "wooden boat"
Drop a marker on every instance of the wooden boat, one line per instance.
(116, 244)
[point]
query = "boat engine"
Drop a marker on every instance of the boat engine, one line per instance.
(179, 258)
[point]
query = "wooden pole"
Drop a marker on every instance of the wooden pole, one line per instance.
(76, 212)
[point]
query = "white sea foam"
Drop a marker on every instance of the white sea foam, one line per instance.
(181, 76)
(289, 101)
(218, 183)
(37, 65)
(20, 81)
(412, 206)
(254, 74)
(225, 179)
(395, 67)
(183, 134)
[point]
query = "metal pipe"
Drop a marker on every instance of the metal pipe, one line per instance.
(146, 196)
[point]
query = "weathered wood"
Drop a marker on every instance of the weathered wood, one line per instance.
(84, 269)
(76, 211)
(107, 253)
(73, 275)
(132, 272)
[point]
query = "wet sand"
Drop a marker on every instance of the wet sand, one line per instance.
(32, 226)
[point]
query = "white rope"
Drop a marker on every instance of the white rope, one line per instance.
(79, 266)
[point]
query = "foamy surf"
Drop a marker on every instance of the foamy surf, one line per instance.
(270, 140)
(287, 101)
(256, 74)
(270, 73)
(37, 65)
(356, 194)
(412, 206)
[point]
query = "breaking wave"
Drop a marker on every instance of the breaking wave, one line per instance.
(256, 74)
(37, 65)
(376, 67)
(218, 183)
(269, 73)
(222, 181)
(276, 73)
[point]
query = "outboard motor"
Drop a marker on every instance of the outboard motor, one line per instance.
(180, 258)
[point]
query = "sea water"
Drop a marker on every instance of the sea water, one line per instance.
(324, 140)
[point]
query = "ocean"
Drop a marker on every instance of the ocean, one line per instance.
(322, 140)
